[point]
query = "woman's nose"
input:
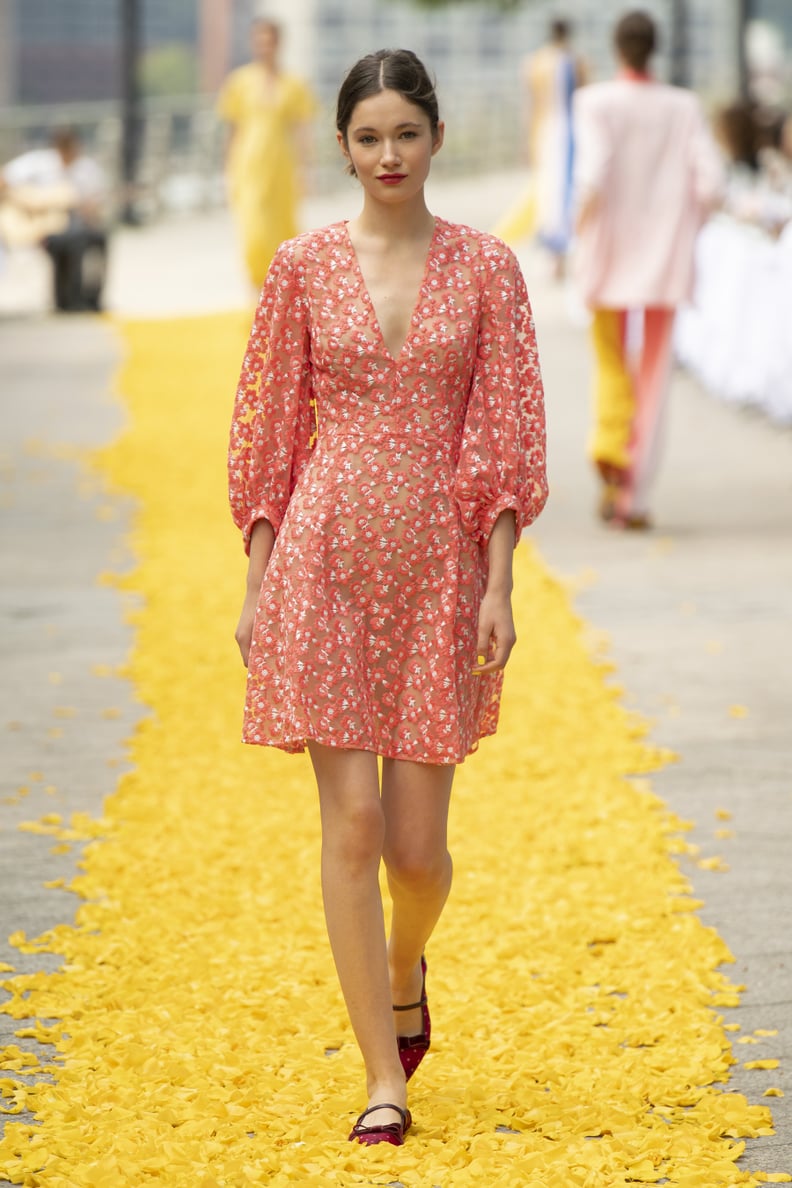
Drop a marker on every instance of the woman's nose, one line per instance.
(390, 151)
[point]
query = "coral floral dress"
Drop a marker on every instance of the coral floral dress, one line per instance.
(382, 477)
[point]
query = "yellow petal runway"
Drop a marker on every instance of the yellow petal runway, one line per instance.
(201, 1039)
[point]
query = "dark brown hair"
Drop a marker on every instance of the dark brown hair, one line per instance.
(560, 30)
(66, 140)
(737, 129)
(387, 70)
(635, 37)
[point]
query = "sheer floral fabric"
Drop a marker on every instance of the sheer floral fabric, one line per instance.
(382, 477)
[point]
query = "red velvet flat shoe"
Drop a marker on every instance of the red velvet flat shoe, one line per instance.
(413, 1048)
(390, 1132)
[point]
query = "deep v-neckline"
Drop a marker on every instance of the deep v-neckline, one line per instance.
(370, 301)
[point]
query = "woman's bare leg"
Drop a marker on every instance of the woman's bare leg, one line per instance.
(415, 799)
(353, 834)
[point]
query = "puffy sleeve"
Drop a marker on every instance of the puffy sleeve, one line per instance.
(302, 103)
(502, 457)
(274, 420)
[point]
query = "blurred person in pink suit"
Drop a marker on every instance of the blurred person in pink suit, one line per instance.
(647, 174)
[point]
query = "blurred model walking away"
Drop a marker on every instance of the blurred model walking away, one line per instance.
(647, 174)
(269, 113)
(551, 76)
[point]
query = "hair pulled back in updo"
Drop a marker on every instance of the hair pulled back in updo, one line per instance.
(387, 70)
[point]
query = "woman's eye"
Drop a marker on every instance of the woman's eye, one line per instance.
(366, 140)
(409, 135)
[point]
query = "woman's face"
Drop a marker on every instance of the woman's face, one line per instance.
(390, 143)
(264, 43)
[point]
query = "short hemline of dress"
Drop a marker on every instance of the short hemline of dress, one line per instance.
(298, 746)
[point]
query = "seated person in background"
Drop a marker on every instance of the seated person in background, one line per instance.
(758, 189)
(775, 159)
(56, 196)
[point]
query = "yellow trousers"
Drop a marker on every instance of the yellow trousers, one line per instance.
(614, 393)
(630, 394)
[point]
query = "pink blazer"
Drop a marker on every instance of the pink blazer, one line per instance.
(648, 170)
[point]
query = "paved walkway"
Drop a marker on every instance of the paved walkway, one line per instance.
(698, 614)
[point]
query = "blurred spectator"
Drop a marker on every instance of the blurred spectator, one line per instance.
(56, 197)
(269, 112)
(647, 173)
(551, 75)
(734, 336)
(759, 173)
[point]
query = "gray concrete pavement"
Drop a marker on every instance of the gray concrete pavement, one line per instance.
(699, 618)
(64, 710)
(698, 613)
(62, 726)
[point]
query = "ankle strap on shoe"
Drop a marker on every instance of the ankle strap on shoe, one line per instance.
(383, 1105)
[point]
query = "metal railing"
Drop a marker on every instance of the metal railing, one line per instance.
(182, 145)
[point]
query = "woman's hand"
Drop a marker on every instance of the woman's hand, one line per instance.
(496, 634)
(262, 540)
(244, 632)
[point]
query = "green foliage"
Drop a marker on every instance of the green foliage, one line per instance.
(170, 69)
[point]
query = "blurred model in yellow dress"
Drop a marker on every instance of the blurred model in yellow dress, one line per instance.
(269, 114)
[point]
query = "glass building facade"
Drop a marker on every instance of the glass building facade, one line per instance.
(69, 49)
(65, 50)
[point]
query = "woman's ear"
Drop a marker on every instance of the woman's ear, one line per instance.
(342, 144)
(437, 139)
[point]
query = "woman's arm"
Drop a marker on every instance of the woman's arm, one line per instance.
(228, 148)
(261, 543)
(496, 634)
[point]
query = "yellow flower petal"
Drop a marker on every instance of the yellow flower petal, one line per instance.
(715, 863)
(197, 1033)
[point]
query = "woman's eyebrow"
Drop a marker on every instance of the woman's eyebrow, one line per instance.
(406, 124)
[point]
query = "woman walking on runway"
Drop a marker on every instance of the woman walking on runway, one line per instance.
(387, 451)
(550, 78)
(269, 113)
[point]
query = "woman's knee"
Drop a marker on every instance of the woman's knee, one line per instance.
(353, 832)
(418, 869)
